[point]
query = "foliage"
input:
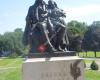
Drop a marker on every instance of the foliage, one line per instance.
(94, 66)
(92, 75)
(11, 43)
(91, 41)
(76, 32)
(13, 55)
(89, 54)
(76, 28)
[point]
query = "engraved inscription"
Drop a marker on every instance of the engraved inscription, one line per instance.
(59, 74)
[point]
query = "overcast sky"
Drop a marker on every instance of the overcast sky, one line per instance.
(13, 12)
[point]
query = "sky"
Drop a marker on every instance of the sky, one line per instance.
(13, 12)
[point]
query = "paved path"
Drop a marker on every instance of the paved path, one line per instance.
(91, 58)
(97, 60)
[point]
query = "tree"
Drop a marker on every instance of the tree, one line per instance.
(91, 41)
(1, 47)
(76, 32)
(77, 28)
(11, 43)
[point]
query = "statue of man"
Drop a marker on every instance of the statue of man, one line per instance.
(60, 41)
(36, 33)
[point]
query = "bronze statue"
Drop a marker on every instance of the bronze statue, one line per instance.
(45, 29)
(56, 16)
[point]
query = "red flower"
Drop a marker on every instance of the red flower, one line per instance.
(42, 48)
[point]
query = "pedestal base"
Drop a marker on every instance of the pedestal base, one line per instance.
(51, 54)
(55, 68)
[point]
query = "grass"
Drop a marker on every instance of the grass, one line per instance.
(89, 54)
(10, 69)
(92, 75)
(7, 62)
(10, 74)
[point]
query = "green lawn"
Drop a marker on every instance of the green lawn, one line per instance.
(10, 69)
(89, 54)
(92, 75)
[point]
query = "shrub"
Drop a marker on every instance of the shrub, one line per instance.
(94, 66)
(13, 55)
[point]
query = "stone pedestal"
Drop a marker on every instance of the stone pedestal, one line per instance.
(55, 68)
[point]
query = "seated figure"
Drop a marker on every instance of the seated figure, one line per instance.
(60, 38)
(36, 33)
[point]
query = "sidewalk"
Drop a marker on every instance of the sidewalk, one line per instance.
(97, 60)
(91, 58)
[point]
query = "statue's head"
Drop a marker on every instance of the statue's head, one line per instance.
(38, 1)
(50, 0)
(51, 4)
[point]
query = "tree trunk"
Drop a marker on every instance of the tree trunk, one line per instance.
(78, 53)
(86, 53)
(83, 54)
(95, 53)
